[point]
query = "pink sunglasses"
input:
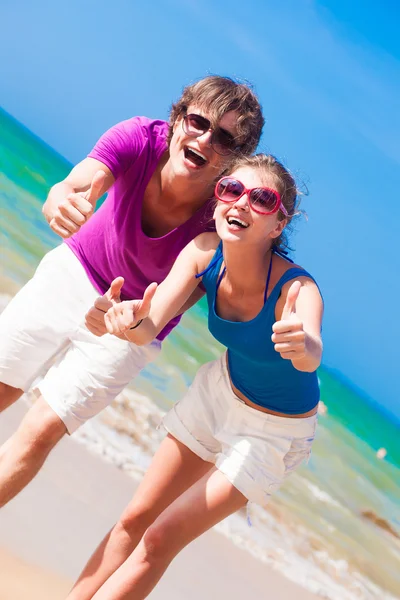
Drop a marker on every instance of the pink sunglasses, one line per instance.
(262, 200)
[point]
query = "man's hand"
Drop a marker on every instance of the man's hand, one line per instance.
(77, 208)
(94, 318)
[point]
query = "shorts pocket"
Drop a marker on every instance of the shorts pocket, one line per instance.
(300, 450)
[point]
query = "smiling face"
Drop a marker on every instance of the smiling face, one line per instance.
(194, 157)
(237, 222)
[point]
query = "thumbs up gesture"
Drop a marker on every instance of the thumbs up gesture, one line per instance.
(122, 316)
(289, 336)
(77, 208)
(94, 318)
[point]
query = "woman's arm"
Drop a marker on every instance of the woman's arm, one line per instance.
(160, 304)
(297, 331)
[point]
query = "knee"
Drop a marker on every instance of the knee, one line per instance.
(134, 521)
(159, 543)
(8, 395)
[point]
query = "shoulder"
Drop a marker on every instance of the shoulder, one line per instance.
(150, 128)
(141, 128)
(207, 241)
(308, 286)
(309, 295)
(290, 271)
(120, 146)
(203, 248)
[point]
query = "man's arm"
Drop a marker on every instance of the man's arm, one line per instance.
(71, 202)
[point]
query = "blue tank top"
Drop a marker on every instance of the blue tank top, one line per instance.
(256, 369)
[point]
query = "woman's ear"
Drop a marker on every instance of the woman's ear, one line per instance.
(278, 229)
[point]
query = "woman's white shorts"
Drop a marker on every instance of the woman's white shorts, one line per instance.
(255, 450)
(45, 345)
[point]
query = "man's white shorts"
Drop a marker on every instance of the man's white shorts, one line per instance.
(42, 332)
(255, 450)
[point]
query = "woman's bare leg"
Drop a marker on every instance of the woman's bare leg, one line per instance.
(174, 469)
(206, 503)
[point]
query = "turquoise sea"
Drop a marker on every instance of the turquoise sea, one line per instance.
(335, 525)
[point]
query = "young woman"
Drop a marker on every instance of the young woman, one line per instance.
(249, 418)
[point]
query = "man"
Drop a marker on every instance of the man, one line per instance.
(160, 180)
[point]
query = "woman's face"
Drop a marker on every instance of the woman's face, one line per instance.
(194, 157)
(238, 222)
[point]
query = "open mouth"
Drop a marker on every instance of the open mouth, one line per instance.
(238, 222)
(195, 157)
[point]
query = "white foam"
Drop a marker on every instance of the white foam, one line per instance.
(321, 495)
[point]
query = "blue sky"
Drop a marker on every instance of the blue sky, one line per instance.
(328, 76)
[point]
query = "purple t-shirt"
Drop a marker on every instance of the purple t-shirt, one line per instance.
(112, 242)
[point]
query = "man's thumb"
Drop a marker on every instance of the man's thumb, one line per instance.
(114, 291)
(96, 187)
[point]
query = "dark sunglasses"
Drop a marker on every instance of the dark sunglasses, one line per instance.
(221, 141)
(262, 200)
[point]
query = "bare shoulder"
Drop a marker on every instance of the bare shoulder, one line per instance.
(309, 290)
(207, 241)
(305, 280)
(203, 248)
(281, 266)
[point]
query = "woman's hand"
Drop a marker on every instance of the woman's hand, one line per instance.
(289, 336)
(297, 334)
(122, 316)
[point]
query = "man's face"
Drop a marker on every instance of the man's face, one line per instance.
(194, 156)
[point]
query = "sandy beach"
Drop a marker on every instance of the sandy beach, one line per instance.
(49, 530)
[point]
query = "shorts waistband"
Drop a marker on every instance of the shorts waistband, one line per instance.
(300, 425)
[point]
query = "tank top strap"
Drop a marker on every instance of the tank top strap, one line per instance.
(290, 274)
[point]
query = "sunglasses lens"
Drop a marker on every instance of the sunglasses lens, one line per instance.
(223, 142)
(196, 125)
(263, 200)
(229, 190)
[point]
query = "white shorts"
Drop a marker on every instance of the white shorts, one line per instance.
(43, 337)
(255, 450)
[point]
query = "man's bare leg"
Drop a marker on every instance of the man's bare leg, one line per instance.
(22, 456)
(8, 395)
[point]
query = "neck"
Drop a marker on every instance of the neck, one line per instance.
(253, 263)
(179, 190)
